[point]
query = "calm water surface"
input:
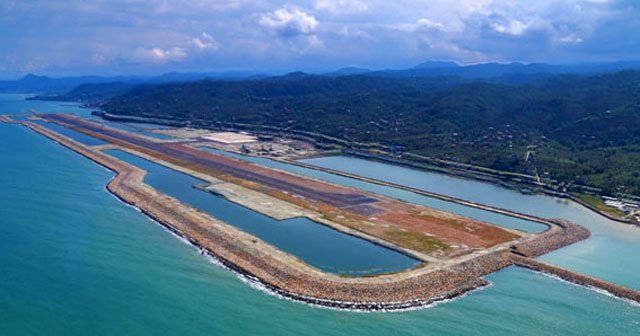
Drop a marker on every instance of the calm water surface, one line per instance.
(141, 130)
(491, 217)
(314, 243)
(75, 135)
(611, 253)
(76, 261)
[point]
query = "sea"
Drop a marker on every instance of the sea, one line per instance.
(74, 260)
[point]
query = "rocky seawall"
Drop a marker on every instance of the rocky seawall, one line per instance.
(289, 277)
(579, 279)
(6, 119)
(561, 234)
(278, 271)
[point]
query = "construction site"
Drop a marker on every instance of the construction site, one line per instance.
(455, 252)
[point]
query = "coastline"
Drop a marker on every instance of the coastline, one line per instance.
(540, 189)
(290, 278)
(370, 293)
(458, 172)
(599, 212)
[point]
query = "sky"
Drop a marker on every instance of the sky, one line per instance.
(109, 37)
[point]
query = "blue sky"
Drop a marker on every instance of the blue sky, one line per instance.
(155, 36)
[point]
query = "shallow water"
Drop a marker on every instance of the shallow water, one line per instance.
(611, 253)
(157, 135)
(316, 244)
(75, 261)
(121, 126)
(75, 135)
(487, 216)
(129, 128)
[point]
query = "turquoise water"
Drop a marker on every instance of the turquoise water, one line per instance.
(128, 127)
(157, 135)
(490, 217)
(121, 126)
(15, 103)
(75, 261)
(316, 244)
(75, 135)
(147, 126)
(611, 253)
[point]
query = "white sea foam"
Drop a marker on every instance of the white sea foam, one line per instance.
(592, 288)
(255, 283)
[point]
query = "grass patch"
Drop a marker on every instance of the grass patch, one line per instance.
(597, 202)
(415, 241)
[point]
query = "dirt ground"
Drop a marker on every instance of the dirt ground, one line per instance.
(411, 226)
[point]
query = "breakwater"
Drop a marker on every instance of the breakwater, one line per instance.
(289, 277)
(511, 180)
(412, 226)
(6, 119)
(562, 234)
(278, 271)
(422, 192)
(505, 179)
(579, 279)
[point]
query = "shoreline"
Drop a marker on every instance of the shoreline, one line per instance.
(601, 213)
(254, 281)
(457, 172)
(464, 174)
(288, 277)
(434, 235)
(326, 301)
(442, 197)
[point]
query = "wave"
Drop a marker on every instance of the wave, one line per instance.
(591, 288)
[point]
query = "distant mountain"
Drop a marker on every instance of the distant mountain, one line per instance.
(296, 75)
(59, 86)
(578, 129)
(346, 71)
(43, 84)
(508, 72)
(437, 65)
(93, 93)
(186, 77)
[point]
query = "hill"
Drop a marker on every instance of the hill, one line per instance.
(49, 87)
(577, 129)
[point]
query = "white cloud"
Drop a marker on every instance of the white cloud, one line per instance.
(341, 6)
(429, 24)
(168, 34)
(513, 27)
(160, 54)
(420, 24)
(313, 42)
(569, 39)
(350, 32)
(285, 22)
(205, 42)
(180, 51)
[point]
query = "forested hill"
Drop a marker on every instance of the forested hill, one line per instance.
(575, 128)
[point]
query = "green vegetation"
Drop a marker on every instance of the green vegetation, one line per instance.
(415, 241)
(597, 202)
(574, 129)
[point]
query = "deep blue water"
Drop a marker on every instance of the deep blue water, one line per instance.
(74, 260)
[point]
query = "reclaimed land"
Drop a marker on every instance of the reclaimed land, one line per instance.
(6, 119)
(291, 278)
(427, 231)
